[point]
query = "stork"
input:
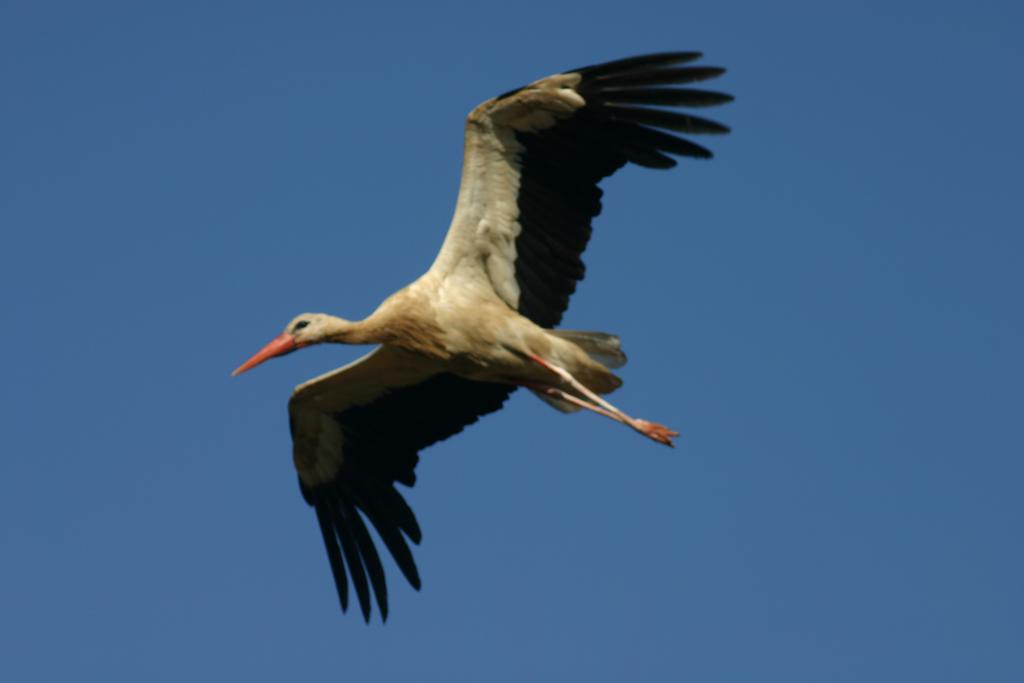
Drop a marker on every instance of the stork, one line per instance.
(454, 344)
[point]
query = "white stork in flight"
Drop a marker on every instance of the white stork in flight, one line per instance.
(454, 344)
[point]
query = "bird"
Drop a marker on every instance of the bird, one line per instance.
(479, 324)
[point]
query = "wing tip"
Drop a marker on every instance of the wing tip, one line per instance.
(651, 60)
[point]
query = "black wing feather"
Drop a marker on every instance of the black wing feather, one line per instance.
(656, 60)
(686, 74)
(670, 120)
(561, 166)
(382, 441)
(343, 527)
(671, 97)
(323, 516)
(371, 561)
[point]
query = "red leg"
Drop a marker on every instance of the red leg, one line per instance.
(651, 430)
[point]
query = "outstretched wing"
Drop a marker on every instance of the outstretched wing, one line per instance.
(357, 431)
(534, 157)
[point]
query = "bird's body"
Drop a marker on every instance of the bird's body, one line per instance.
(454, 344)
(448, 325)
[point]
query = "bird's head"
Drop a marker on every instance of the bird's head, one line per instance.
(303, 330)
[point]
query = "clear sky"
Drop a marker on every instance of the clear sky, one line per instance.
(829, 311)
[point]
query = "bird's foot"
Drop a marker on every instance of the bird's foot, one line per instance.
(655, 431)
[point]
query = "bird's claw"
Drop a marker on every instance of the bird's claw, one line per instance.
(655, 431)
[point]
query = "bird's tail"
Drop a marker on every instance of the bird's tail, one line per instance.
(604, 348)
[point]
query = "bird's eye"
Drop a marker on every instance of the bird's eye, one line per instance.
(299, 325)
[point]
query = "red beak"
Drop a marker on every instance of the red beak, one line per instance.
(278, 346)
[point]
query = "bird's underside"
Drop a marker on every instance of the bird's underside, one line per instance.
(456, 343)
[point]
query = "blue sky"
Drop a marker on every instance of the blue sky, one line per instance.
(830, 313)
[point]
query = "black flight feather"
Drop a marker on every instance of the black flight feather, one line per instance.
(562, 165)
